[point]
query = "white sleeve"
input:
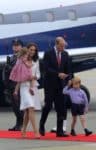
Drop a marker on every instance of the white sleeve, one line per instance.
(37, 70)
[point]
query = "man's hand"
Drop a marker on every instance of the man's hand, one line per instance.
(62, 75)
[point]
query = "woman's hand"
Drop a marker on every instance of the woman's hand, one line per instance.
(32, 78)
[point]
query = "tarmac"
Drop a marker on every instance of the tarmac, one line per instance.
(7, 120)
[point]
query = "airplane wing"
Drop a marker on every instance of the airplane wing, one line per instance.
(82, 58)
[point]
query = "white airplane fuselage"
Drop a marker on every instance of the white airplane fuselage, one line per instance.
(41, 21)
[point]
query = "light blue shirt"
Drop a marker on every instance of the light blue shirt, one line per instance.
(78, 96)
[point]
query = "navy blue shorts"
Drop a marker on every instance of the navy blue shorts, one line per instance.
(77, 109)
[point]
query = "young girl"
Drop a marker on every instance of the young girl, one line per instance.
(79, 104)
(22, 71)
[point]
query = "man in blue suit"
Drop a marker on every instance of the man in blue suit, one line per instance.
(57, 71)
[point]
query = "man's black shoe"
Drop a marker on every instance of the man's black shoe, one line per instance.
(62, 135)
(42, 130)
(53, 131)
(11, 129)
(16, 128)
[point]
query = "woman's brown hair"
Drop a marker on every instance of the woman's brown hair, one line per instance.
(35, 57)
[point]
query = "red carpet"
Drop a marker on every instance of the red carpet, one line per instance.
(48, 136)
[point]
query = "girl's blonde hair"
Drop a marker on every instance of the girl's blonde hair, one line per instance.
(22, 52)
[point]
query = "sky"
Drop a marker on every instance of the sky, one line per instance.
(14, 6)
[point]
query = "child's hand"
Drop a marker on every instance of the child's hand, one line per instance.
(69, 83)
(86, 110)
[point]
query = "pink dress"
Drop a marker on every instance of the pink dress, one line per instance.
(20, 72)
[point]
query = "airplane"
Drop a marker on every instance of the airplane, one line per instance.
(42, 21)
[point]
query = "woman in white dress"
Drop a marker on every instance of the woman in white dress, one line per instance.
(30, 102)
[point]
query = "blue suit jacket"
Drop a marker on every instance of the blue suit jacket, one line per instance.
(52, 69)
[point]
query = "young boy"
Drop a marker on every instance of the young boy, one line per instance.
(79, 104)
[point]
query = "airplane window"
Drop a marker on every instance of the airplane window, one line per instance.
(50, 16)
(72, 15)
(1, 18)
(26, 18)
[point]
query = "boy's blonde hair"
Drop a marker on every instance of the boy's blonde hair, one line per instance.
(76, 79)
(22, 52)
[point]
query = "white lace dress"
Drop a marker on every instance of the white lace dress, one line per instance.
(27, 100)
